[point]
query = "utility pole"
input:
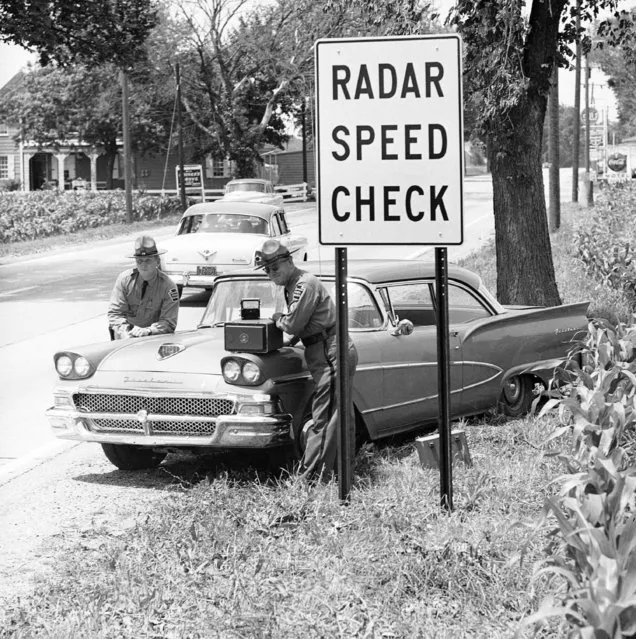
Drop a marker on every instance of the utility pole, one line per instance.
(589, 185)
(303, 116)
(127, 157)
(576, 145)
(182, 187)
(553, 147)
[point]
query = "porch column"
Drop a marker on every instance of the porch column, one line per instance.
(25, 175)
(61, 157)
(93, 156)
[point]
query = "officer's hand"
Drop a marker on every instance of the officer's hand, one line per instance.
(138, 331)
(276, 316)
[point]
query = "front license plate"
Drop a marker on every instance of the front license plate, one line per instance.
(206, 270)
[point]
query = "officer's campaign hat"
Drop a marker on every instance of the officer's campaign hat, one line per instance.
(272, 251)
(145, 246)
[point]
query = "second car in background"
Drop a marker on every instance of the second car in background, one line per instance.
(252, 190)
(218, 237)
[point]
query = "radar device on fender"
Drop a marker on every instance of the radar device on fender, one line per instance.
(252, 334)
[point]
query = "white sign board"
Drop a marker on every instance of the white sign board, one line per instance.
(389, 134)
(193, 178)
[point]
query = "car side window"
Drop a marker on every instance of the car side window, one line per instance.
(464, 306)
(283, 223)
(412, 301)
(275, 222)
(364, 313)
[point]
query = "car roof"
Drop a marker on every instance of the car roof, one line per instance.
(233, 208)
(383, 271)
(247, 180)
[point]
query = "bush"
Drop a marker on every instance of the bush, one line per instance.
(38, 214)
(9, 184)
(595, 508)
(604, 241)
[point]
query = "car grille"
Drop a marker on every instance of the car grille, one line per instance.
(132, 404)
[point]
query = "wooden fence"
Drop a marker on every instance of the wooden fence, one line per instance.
(291, 193)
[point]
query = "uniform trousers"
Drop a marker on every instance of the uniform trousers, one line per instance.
(319, 458)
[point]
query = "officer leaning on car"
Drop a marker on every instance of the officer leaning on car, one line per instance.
(144, 301)
(311, 317)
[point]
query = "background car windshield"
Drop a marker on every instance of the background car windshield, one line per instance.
(224, 223)
(246, 186)
(225, 301)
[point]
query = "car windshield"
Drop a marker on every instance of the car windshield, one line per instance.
(224, 223)
(245, 186)
(225, 302)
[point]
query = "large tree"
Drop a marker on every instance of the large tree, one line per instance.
(510, 50)
(247, 70)
(68, 31)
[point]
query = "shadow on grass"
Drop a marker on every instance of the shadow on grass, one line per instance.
(184, 471)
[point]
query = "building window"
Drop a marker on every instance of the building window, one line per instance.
(4, 167)
(4, 129)
(218, 168)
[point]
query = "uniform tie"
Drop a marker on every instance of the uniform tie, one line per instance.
(144, 286)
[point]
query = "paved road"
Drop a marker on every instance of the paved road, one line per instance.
(60, 299)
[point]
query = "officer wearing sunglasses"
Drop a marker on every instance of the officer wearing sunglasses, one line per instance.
(311, 318)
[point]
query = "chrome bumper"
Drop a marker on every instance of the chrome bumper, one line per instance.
(230, 431)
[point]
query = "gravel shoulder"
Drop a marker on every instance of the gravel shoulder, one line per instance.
(50, 509)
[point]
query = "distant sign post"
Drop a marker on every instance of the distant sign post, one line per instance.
(390, 160)
(193, 179)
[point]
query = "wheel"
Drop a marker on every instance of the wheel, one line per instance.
(127, 457)
(516, 396)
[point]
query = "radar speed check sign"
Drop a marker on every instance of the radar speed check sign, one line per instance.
(389, 140)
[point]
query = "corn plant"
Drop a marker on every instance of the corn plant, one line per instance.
(595, 507)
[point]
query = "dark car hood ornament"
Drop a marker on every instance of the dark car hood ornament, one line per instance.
(168, 350)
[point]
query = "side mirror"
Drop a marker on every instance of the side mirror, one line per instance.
(404, 327)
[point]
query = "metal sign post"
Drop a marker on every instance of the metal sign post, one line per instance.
(345, 449)
(443, 379)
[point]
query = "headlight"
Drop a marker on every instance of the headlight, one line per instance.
(251, 372)
(64, 366)
(231, 370)
(82, 367)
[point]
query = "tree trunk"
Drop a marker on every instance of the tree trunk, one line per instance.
(525, 271)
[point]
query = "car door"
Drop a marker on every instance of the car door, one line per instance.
(481, 374)
(409, 362)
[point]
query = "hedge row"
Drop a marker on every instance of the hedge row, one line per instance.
(28, 216)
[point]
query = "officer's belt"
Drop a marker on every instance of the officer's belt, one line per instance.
(318, 337)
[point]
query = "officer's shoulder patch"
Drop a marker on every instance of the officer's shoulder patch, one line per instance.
(174, 294)
(298, 291)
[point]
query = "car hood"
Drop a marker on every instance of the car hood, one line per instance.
(212, 248)
(198, 352)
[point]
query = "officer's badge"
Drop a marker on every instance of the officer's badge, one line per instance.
(174, 294)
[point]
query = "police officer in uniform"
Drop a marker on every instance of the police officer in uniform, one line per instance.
(311, 318)
(144, 300)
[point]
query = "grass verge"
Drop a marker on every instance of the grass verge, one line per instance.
(236, 551)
